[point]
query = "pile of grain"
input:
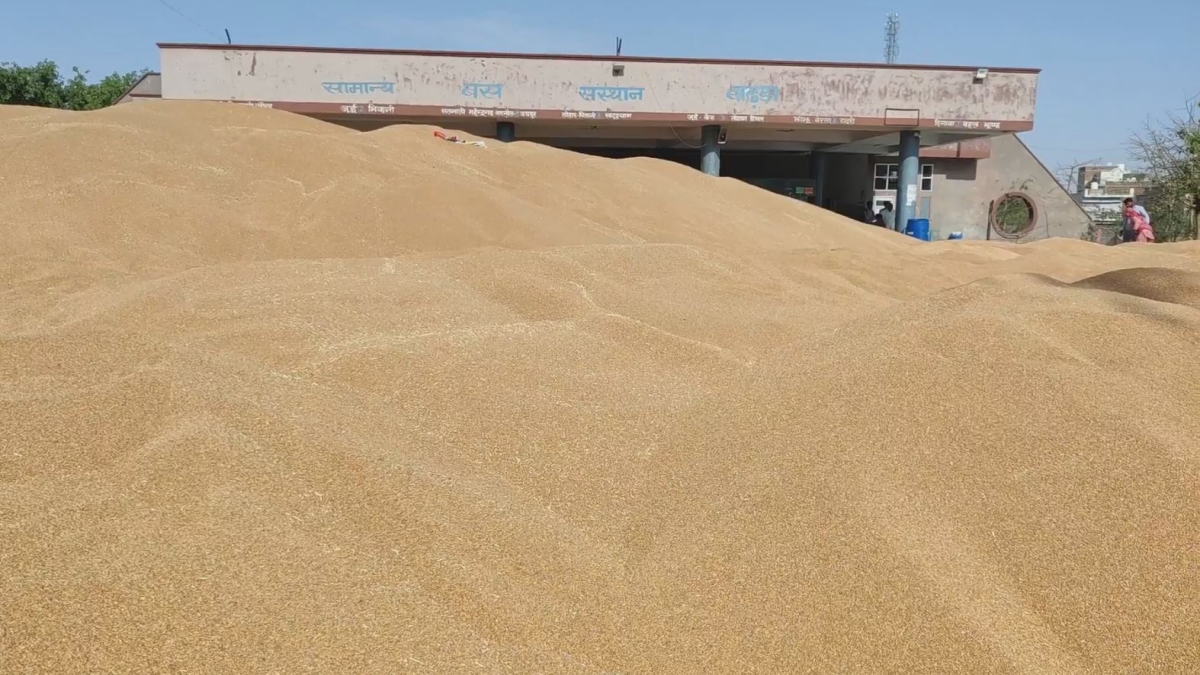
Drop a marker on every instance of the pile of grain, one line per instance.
(276, 396)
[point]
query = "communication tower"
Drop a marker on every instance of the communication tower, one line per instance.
(892, 33)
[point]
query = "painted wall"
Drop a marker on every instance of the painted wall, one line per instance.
(446, 85)
(963, 190)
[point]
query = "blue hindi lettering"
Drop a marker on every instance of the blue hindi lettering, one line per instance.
(754, 94)
(359, 87)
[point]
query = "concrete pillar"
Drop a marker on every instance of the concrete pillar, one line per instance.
(506, 132)
(710, 151)
(817, 162)
(909, 178)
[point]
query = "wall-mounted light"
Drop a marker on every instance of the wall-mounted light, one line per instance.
(981, 74)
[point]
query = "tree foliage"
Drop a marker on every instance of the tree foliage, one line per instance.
(44, 86)
(1170, 153)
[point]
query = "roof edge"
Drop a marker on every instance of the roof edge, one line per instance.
(1017, 135)
(129, 90)
(581, 57)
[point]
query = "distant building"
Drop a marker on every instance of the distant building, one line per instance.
(1101, 189)
(833, 134)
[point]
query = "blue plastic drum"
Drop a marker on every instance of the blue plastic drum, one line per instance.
(918, 228)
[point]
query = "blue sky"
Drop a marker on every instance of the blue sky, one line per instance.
(1109, 66)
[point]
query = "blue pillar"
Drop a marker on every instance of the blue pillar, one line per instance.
(816, 167)
(909, 178)
(506, 132)
(710, 152)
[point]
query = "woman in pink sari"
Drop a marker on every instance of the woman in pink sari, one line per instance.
(1141, 226)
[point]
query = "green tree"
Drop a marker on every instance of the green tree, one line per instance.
(38, 85)
(43, 85)
(1170, 153)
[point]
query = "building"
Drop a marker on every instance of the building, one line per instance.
(936, 141)
(1101, 190)
(148, 86)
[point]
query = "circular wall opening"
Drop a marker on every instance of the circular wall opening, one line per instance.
(1014, 215)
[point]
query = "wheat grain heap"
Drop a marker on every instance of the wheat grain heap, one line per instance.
(279, 396)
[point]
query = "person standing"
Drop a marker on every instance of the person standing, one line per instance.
(1137, 224)
(1128, 231)
(889, 216)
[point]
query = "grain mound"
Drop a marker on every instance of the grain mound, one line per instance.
(277, 396)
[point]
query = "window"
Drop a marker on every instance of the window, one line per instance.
(887, 177)
(926, 177)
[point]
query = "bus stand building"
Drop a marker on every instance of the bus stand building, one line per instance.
(939, 142)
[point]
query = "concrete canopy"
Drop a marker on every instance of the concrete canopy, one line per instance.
(596, 100)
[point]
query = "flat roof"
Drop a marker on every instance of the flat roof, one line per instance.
(579, 57)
